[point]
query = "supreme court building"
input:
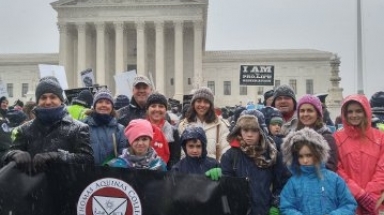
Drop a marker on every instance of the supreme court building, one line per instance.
(164, 39)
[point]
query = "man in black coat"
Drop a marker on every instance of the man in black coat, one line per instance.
(53, 136)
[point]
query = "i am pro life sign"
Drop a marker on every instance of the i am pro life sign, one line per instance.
(257, 75)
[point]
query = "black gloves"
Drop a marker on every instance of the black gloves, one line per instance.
(22, 159)
(41, 160)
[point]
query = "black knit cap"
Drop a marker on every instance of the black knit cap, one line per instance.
(16, 117)
(157, 98)
(377, 100)
(3, 98)
(121, 101)
(85, 98)
(203, 93)
(48, 84)
(268, 95)
(284, 90)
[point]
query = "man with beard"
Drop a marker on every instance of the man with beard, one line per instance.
(284, 100)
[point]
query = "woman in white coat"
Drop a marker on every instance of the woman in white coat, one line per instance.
(202, 113)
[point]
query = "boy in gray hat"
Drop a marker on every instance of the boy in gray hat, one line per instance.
(284, 100)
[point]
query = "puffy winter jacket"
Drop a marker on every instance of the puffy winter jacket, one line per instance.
(236, 163)
(211, 133)
(305, 193)
(69, 135)
(103, 138)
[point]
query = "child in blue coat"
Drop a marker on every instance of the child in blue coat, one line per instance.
(312, 189)
(194, 144)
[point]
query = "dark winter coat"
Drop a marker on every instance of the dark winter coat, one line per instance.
(69, 135)
(171, 133)
(235, 163)
(130, 112)
(333, 153)
(5, 137)
(102, 139)
(195, 165)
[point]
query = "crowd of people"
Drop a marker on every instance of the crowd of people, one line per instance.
(295, 159)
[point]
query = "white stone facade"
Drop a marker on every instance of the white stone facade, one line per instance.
(164, 38)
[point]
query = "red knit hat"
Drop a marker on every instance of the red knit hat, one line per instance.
(138, 128)
(312, 100)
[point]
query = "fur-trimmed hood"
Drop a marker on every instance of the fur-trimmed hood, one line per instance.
(305, 134)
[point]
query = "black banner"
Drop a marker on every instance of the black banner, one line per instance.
(257, 75)
(83, 190)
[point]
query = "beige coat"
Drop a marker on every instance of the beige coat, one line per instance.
(210, 131)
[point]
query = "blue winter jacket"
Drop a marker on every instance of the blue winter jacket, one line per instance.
(235, 163)
(102, 139)
(305, 193)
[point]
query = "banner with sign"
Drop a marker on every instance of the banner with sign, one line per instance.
(85, 190)
(87, 78)
(259, 75)
(124, 83)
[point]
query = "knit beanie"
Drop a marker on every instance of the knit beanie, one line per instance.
(15, 117)
(85, 98)
(49, 85)
(203, 93)
(377, 100)
(121, 101)
(284, 90)
(138, 128)
(102, 94)
(268, 95)
(313, 100)
(3, 98)
(156, 98)
(272, 115)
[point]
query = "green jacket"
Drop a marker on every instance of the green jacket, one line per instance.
(77, 111)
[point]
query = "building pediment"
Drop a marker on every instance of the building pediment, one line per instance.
(124, 2)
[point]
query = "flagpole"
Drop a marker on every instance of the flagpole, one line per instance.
(360, 80)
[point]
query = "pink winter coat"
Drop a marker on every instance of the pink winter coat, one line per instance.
(361, 157)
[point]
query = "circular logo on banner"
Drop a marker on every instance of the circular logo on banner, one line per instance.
(109, 196)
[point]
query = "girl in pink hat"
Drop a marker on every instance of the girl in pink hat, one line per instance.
(140, 154)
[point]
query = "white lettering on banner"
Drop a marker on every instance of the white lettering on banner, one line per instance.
(257, 74)
(109, 195)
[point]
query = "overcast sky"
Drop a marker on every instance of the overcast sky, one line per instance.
(326, 25)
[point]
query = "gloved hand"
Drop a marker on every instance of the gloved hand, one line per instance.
(22, 159)
(40, 160)
(367, 202)
(214, 173)
(274, 211)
